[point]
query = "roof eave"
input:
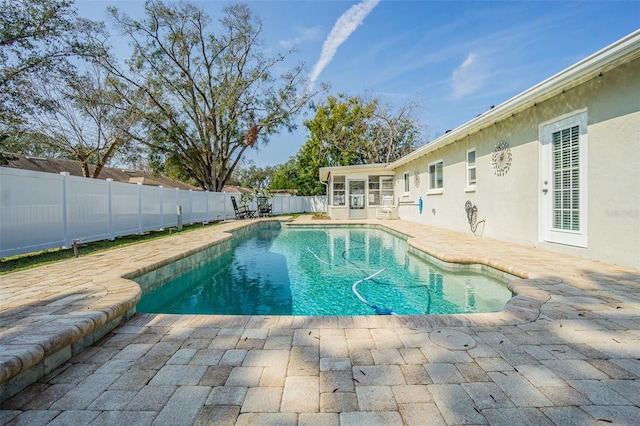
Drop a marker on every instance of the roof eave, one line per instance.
(622, 51)
(325, 172)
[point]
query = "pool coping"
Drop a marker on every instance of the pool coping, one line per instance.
(53, 312)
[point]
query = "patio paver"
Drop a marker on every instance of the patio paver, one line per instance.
(565, 351)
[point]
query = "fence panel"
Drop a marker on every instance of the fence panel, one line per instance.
(182, 200)
(31, 211)
(87, 207)
(125, 209)
(199, 207)
(217, 205)
(45, 210)
(152, 205)
(169, 201)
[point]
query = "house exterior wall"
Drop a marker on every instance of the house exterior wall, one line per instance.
(510, 204)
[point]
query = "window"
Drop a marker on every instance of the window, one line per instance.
(471, 168)
(374, 190)
(436, 181)
(566, 178)
(406, 182)
(338, 191)
(386, 185)
(379, 186)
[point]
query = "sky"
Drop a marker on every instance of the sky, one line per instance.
(455, 59)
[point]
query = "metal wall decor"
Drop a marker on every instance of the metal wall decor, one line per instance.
(472, 216)
(416, 178)
(501, 158)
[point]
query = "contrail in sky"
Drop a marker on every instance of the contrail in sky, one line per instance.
(342, 29)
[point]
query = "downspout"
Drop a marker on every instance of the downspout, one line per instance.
(326, 191)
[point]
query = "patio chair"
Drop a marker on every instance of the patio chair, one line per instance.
(387, 208)
(264, 208)
(242, 212)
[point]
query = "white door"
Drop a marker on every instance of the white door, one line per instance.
(357, 207)
(563, 202)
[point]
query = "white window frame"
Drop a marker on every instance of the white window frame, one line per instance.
(405, 178)
(379, 187)
(437, 190)
(343, 191)
(386, 186)
(471, 186)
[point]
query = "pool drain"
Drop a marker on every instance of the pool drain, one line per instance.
(452, 339)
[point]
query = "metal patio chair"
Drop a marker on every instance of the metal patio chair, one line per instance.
(242, 212)
(264, 208)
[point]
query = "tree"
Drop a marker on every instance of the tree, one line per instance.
(22, 140)
(300, 174)
(394, 134)
(206, 98)
(38, 40)
(338, 132)
(252, 176)
(84, 119)
(286, 176)
(350, 131)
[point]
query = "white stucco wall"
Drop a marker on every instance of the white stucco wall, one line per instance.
(509, 204)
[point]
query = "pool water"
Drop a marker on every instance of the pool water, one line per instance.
(293, 270)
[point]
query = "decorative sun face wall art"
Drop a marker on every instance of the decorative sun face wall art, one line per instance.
(501, 158)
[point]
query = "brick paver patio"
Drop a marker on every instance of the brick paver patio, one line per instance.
(566, 350)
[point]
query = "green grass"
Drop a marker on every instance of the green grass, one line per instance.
(32, 260)
(44, 257)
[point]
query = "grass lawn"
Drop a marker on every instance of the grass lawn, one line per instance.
(39, 258)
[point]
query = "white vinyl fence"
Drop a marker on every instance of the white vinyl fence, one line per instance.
(44, 210)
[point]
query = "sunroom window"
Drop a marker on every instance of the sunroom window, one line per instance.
(338, 197)
(379, 187)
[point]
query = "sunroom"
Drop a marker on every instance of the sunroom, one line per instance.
(359, 192)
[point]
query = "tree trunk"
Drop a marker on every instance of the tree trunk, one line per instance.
(85, 168)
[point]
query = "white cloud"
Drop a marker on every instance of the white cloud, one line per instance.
(468, 77)
(342, 29)
(302, 35)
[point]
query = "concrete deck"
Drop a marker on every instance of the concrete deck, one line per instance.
(565, 351)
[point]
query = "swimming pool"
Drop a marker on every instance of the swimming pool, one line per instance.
(327, 270)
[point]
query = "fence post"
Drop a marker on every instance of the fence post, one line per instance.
(161, 208)
(190, 206)
(110, 208)
(206, 206)
(140, 208)
(178, 200)
(65, 221)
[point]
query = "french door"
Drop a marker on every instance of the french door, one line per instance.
(563, 215)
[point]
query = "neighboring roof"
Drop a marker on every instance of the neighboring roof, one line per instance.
(58, 165)
(622, 51)
(237, 190)
(283, 191)
(325, 172)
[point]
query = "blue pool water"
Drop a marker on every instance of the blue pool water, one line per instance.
(324, 271)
